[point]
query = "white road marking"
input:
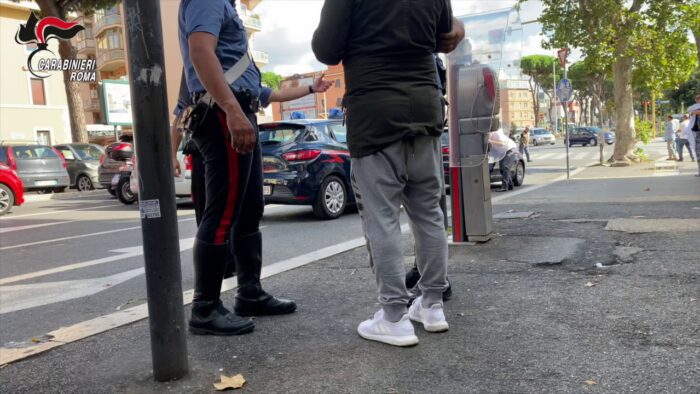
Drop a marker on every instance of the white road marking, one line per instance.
(542, 156)
(27, 227)
(10, 217)
(124, 253)
(18, 297)
(580, 156)
(80, 236)
(522, 190)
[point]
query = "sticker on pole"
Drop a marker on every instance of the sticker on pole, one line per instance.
(150, 209)
(564, 90)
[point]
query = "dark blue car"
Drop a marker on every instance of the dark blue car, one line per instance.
(306, 162)
(588, 135)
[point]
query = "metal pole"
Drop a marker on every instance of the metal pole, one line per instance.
(144, 39)
(566, 128)
(554, 94)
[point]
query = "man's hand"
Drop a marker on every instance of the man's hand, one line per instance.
(449, 41)
(241, 130)
(176, 167)
(320, 85)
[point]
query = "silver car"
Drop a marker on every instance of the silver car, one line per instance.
(39, 166)
(541, 137)
(82, 161)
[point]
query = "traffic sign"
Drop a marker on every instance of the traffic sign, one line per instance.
(562, 54)
(564, 90)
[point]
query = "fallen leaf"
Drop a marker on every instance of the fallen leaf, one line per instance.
(590, 284)
(230, 382)
(591, 382)
(647, 189)
(35, 340)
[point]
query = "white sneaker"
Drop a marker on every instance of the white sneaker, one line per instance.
(433, 318)
(379, 329)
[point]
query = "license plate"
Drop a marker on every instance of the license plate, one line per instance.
(115, 179)
(267, 190)
(46, 183)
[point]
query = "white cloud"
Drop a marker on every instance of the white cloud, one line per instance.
(288, 27)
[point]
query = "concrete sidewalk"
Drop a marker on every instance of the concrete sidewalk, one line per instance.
(553, 303)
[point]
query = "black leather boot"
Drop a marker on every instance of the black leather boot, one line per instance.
(230, 270)
(209, 316)
(251, 299)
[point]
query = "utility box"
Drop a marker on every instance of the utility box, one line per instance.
(474, 106)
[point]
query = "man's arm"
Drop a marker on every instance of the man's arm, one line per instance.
(331, 35)
(211, 74)
(289, 94)
(447, 42)
(175, 139)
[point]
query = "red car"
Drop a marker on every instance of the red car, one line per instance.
(11, 189)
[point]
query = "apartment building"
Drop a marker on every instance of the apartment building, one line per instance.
(104, 40)
(31, 109)
(516, 104)
(313, 106)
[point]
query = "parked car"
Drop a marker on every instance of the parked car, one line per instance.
(40, 167)
(306, 162)
(127, 186)
(11, 189)
(585, 136)
(115, 160)
(517, 172)
(541, 137)
(82, 161)
(610, 137)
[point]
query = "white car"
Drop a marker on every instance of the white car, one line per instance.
(541, 137)
(183, 182)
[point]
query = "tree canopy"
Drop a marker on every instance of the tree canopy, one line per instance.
(271, 79)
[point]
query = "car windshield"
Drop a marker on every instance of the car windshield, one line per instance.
(34, 152)
(279, 135)
(540, 131)
(88, 152)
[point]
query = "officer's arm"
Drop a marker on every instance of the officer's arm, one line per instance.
(288, 94)
(175, 138)
(211, 74)
(331, 35)
(447, 42)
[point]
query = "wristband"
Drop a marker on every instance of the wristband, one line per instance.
(311, 89)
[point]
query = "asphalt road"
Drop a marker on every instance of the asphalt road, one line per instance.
(67, 261)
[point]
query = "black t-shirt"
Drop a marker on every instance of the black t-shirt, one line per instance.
(387, 48)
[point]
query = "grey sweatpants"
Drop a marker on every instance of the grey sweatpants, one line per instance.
(408, 172)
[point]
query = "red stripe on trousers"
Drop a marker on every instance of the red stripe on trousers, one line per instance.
(232, 194)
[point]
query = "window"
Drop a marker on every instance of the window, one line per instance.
(38, 93)
(34, 152)
(66, 152)
(43, 137)
(339, 132)
(88, 152)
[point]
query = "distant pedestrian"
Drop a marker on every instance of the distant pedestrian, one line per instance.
(670, 136)
(524, 146)
(502, 149)
(685, 136)
(694, 115)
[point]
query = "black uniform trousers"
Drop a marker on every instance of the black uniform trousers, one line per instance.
(233, 182)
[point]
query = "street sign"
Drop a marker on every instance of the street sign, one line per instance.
(562, 54)
(564, 90)
(660, 102)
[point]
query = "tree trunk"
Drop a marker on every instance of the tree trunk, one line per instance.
(73, 99)
(624, 110)
(696, 33)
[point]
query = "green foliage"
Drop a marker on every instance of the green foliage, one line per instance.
(271, 80)
(644, 132)
(684, 95)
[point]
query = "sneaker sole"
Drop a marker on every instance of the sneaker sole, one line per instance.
(204, 331)
(280, 312)
(395, 341)
(437, 327)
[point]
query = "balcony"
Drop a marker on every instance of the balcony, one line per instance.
(110, 59)
(251, 22)
(85, 46)
(260, 58)
(106, 21)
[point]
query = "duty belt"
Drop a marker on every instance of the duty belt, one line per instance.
(248, 101)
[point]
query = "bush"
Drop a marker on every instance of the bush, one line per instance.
(643, 130)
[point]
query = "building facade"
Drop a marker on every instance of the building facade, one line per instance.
(318, 105)
(516, 104)
(31, 109)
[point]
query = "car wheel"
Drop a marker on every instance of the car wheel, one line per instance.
(519, 175)
(592, 142)
(112, 191)
(331, 199)
(84, 183)
(124, 193)
(7, 199)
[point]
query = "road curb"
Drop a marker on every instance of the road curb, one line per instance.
(63, 196)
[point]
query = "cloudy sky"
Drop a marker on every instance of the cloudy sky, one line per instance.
(288, 26)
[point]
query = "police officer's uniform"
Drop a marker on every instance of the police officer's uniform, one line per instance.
(234, 198)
